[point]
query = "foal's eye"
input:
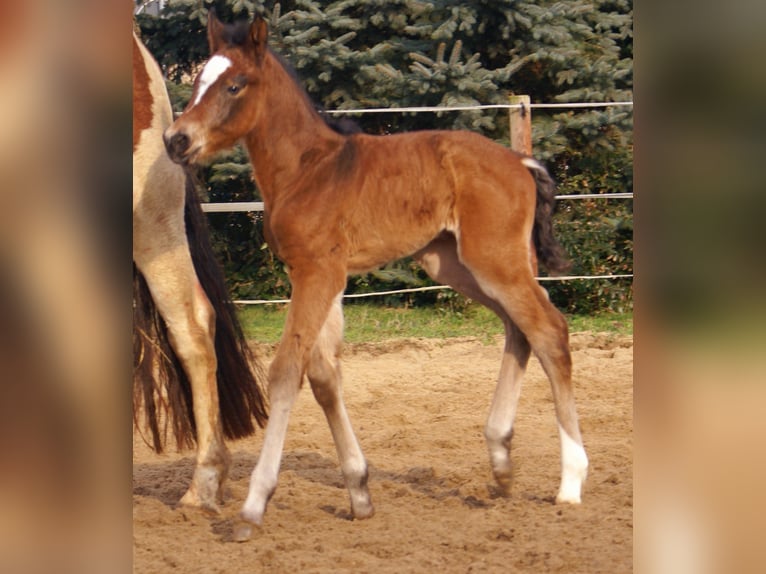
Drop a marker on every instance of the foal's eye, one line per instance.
(237, 84)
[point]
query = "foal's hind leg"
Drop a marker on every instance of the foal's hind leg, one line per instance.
(190, 319)
(441, 262)
(325, 377)
(546, 330)
(499, 428)
(505, 275)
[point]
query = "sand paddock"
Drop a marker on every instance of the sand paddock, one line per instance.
(419, 407)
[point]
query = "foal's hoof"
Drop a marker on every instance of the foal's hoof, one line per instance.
(503, 483)
(243, 531)
(568, 498)
(500, 491)
(363, 512)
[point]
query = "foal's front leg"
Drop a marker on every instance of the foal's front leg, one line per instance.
(314, 288)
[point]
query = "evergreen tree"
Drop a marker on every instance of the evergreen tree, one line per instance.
(384, 53)
(391, 53)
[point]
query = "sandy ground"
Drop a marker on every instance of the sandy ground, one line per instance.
(419, 407)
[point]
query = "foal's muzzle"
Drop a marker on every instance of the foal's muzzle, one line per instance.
(178, 146)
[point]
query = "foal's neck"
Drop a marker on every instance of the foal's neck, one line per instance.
(287, 127)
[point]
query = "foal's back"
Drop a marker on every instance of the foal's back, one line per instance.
(385, 197)
(437, 166)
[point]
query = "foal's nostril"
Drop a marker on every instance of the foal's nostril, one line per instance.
(177, 145)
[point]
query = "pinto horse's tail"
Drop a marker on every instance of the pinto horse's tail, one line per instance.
(240, 375)
(549, 250)
(158, 376)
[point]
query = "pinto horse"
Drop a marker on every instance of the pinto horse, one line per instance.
(189, 352)
(337, 204)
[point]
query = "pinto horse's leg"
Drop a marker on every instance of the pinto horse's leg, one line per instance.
(440, 260)
(504, 273)
(314, 287)
(325, 377)
(190, 319)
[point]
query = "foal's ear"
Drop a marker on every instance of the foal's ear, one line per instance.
(214, 31)
(259, 33)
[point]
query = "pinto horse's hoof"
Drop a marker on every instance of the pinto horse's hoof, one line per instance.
(207, 504)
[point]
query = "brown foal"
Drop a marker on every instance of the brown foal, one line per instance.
(336, 204)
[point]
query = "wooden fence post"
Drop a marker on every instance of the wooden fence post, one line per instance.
(521, 125)
(521, 141)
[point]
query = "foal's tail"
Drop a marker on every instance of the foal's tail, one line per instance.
(159, 380)
(549, 250)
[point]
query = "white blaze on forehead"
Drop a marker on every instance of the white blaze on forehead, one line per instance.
(215, 66)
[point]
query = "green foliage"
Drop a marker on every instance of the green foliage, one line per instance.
(596, 233)
(389, 53)
(599, 241)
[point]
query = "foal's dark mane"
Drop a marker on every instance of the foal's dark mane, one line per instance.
(343, 126)
(236, 34)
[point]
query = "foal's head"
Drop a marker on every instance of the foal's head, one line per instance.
(221, 110)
